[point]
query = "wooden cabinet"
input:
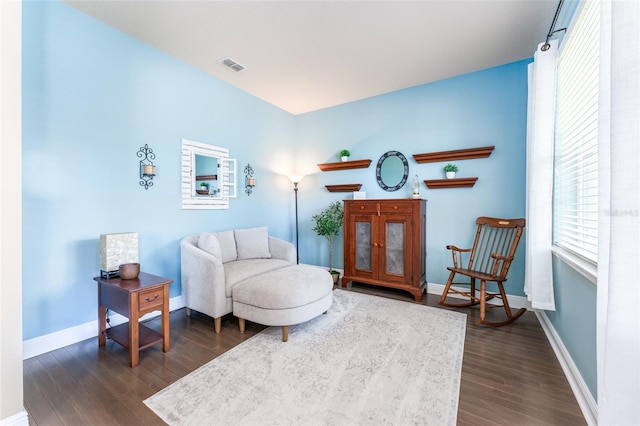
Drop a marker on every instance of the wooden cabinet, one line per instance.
(384, 243)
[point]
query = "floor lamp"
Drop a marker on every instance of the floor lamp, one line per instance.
(296, 180)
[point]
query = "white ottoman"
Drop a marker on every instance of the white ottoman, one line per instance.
(283, 297)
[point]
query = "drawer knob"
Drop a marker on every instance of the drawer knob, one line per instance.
(148, 299)
(361, 207)
(395, 207)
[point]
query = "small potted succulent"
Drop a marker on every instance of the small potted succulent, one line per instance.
(203, 188)
(328, 224)
(450, 170)
(344, 155)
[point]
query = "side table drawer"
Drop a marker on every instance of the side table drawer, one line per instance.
(150, 300)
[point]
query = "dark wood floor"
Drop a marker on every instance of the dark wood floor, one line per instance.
(510, 375)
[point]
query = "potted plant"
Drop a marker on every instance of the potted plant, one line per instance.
(450, 170)
(344, 154)
(327, 224)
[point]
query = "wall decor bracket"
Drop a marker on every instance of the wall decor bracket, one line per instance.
(147, 169)
(458, 154)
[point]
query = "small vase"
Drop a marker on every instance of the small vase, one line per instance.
(344, 158)
(451, 175)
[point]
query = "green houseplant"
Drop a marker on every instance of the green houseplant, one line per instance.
(327, 224)
(450, 170)
(344, 154)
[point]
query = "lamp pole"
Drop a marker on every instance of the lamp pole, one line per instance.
(296, 180)
(295, 189)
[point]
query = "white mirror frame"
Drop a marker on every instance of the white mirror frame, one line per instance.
(226, 176)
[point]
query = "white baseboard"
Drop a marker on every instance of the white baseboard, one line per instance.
(582, 393)
(18, 419)
(49, 342)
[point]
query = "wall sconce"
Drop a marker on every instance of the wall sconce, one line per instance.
(249, 180)
(147, 169)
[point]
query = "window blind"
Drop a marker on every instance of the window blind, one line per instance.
(575, 198)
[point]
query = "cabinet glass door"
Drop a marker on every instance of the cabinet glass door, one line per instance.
(365, 261)
(396, 237)
(395, 248)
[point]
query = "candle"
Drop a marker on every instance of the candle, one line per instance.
(148, 169)
(252, 181)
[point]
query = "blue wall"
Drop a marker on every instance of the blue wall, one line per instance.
(575, 319)
(92, 97)
(472, 110)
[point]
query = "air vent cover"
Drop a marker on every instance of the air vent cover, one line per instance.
(230, 63)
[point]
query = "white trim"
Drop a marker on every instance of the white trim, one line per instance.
(18, 419)
(50, 342)
(581, 266)
(580, 390)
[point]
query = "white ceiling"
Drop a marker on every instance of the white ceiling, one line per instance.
(307, 55)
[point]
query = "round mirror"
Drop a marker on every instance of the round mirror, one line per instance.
(392, 171)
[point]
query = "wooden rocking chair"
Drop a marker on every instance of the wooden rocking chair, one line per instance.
(493, 250)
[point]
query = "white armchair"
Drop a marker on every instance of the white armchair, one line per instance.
(213, 263)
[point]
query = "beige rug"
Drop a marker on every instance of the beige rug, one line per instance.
(368, 361)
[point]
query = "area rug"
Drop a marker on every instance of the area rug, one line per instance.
(369, 360)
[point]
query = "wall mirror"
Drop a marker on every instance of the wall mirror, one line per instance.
(208, 176)
(392, 171)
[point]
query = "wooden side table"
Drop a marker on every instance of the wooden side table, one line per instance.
(133, 299)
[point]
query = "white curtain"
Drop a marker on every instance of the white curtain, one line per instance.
(538, 281)
(618, 299)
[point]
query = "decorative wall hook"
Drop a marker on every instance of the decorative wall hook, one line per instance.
(147, 169)
(249, 180)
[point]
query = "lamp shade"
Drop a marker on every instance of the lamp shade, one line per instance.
(296, 178)
(116, 249)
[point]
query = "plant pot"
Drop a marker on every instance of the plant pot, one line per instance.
(343, 158)
(336, 276)
(451, 175)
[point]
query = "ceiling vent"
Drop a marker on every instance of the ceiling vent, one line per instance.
(230, 63)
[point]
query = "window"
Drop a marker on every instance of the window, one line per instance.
(575, 194)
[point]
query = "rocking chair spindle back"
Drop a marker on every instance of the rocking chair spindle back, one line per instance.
(493, 250)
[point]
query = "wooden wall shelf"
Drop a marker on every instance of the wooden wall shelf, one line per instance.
(451, 183)
(344, 165)
(207, 177)
(458, 154)
(347, 187)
